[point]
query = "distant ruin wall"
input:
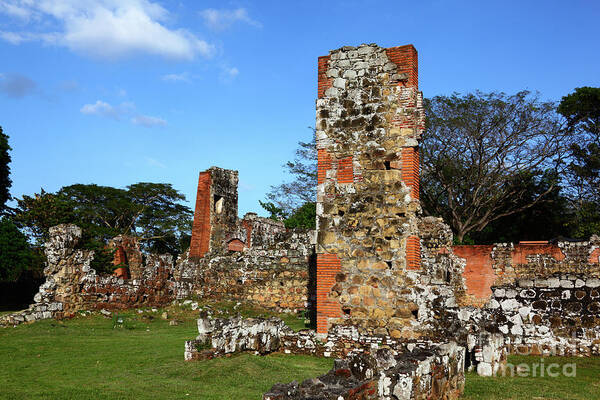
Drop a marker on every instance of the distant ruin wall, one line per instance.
(72, 285)
(276, 275)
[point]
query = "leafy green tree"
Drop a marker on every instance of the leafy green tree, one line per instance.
(304, 217)
(158, 218)
(150, 211)
(275, 213)
(582, 111)
(38, 213)
(477, 150)
(546, 219)
(5, 182)
(16, 255)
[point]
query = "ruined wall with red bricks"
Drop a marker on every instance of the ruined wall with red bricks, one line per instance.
(369, 122)
(500, 264)
(252, 259)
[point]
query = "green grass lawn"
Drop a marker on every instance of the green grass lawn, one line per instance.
(142, 358)
(585, 385)
(86, 358)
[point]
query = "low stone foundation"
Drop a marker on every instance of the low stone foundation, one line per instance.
(371, 368)
(424, 373)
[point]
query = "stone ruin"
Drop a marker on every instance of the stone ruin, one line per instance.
(403, 309)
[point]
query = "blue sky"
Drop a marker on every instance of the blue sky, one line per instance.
(115, 92)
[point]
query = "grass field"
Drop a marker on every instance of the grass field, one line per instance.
(142, 358)
(584, 386)
(86, 358)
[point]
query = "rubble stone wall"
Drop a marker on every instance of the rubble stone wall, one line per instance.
(504, 263)
(72, 285)
(277, 272)
(276, 275)
(424, 373)
(374, 371)
(369, 121)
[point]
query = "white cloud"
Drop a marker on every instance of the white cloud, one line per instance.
(101, 108)
(183, 77)
(15, 9)
(107, 110)
(107, 29)
(232, 72)
(104, 109)
(219, 20)
(148, 121)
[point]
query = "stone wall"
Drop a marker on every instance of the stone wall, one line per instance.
(504, 263)
(72, 285)
(277, 272)
(542, 298)
(424, 373)
(374, 370)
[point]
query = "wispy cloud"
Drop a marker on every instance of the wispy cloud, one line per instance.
(220, 20)
(103, 109)
(228, 74)
(16, 85)
(148, 121)
(154, 162)
(106, 110)
(106, 29)
(183, 77)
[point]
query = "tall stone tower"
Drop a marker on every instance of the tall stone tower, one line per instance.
(369, 122)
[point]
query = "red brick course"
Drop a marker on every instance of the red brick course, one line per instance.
(345, 172)
(410, 170)
(324, 82)
(406, 58)
(479, 274)
(328, 265)
(413, 253)
(200, 242)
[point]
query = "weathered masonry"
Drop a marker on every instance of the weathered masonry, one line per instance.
(369, 122)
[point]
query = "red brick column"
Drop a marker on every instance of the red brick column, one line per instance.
(328, 265)
(323, 165)
(413, 253)
(324, 82)
(406, 58)
(345, 171)
(410, 170)
(199, 244)
(120, 258)
(248, 226)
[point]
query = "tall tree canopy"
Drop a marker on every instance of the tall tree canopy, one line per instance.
(582, 111)
(16, 254)
(5, 182)
(150, 211)
(478, 151)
